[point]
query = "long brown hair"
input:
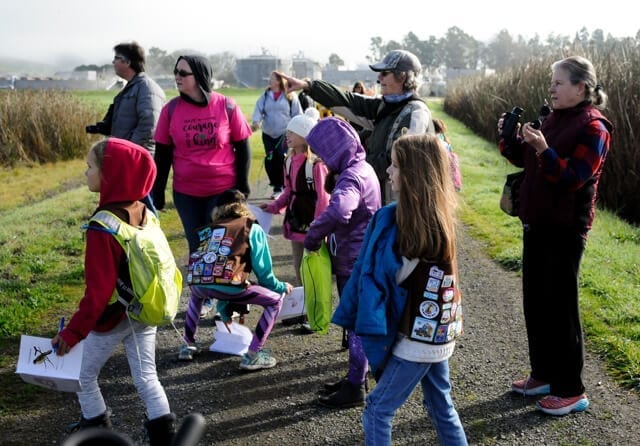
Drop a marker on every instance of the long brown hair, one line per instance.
(427, 201)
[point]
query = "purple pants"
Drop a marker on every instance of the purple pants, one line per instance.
(358, 364)
(253, 294)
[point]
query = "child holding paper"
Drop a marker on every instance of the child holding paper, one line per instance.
(304, 199)
(234, 246)
(123, 173)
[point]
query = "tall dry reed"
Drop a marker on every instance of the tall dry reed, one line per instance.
(38, 126)
(479, 102)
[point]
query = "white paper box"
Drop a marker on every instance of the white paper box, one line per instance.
(49, 370)
(293, 304)
(234, 343)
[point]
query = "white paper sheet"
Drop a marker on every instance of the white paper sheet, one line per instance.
(293, 304)
(37, 366)
(264, 218)
(234, 343)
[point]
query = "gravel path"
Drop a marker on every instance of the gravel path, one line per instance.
(278, 406)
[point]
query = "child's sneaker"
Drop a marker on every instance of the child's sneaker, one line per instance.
(530, 386)
(555, 405)
(187, 352)
(260, 360)
(207, 306)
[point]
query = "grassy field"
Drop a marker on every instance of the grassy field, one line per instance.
(41, 246)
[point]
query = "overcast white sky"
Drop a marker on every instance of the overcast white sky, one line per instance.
(85, 31)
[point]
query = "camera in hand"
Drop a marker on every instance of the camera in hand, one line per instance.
(510, 123)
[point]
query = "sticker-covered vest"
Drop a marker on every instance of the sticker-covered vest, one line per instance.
(433, 313)
(223, 256)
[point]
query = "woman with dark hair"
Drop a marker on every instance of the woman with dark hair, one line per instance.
(205, 137)
(274, 109)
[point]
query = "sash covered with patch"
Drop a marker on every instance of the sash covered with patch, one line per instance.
(223, 256)
(433, 313)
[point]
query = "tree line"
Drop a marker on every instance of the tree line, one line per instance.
(456, 49)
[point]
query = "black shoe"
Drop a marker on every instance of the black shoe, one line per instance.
(331, 387)
(347, 396)
(345, 339)
(294, 321)
(102, 420)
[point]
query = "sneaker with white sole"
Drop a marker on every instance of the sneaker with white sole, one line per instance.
(260, 360)
(530, 386)
(555, 405)
(187, 352)
(207, 306)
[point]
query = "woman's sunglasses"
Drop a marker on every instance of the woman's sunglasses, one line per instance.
(181, 73)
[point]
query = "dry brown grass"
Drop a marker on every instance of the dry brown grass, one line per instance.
(478, 103)
(38, 126)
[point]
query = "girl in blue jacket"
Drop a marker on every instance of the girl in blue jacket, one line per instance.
(403, 298)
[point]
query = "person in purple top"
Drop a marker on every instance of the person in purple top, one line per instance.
(355, 197)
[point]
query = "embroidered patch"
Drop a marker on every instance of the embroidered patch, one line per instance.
(218, 233)
(209, 257)
(433, 285)
(432, 296)
(447, 295)
(447, 281)
(441, 334)
(429, 309)
(224, 250)
(436, 272)
(446, 317)
(423, 329)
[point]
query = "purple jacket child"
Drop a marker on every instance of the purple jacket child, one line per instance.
(354, 200)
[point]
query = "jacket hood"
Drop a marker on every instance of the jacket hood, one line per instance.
(336, 142)
(127, 173)
(201, 69)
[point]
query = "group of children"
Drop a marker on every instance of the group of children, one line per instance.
(395, 270)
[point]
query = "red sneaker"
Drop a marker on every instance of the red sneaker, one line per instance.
(555, 405)
(530, 386)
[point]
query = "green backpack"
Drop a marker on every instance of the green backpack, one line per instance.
(152, 291)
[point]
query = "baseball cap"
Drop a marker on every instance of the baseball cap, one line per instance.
(399, 61)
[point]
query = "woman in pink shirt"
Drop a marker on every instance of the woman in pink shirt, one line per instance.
(205, 137)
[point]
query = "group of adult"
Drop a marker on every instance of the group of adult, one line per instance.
(204, 136)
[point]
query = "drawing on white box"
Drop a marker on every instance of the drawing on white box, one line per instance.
(41, 357)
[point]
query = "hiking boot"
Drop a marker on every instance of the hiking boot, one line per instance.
(161, 430)
(555, 405)
(331, 387)
(257, 361)
(530, 386)
(188, 351)
(348, 395)
(102, 420)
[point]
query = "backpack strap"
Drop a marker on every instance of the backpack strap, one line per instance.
(309, 163)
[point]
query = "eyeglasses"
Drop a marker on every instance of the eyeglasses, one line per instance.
(385, 73)
(181, 73)
(122, 58)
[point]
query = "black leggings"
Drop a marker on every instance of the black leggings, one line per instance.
(275, 150)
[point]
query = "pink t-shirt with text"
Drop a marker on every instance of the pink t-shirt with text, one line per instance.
(203, 157)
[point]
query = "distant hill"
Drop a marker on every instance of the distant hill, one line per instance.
(20, 67)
